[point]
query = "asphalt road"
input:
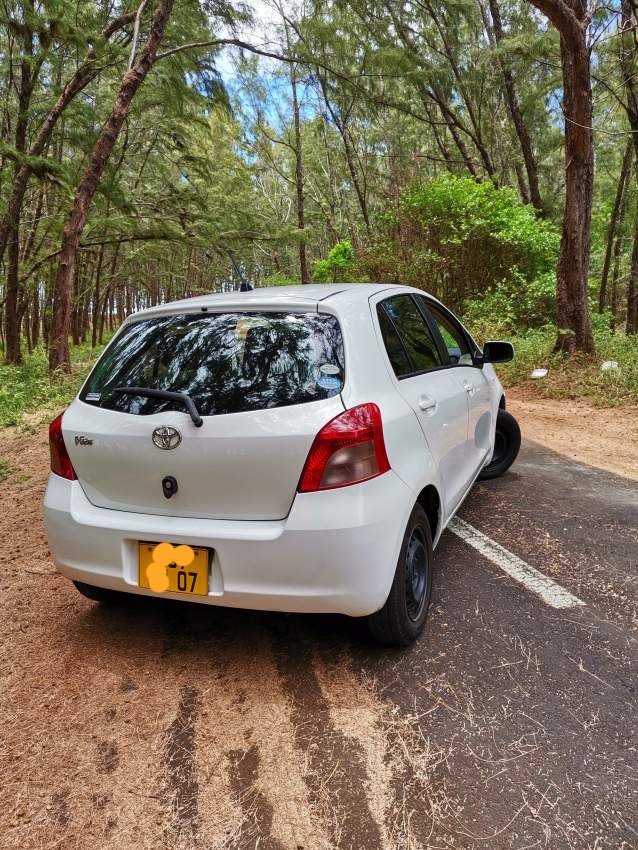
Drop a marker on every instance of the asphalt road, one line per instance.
(510, 724)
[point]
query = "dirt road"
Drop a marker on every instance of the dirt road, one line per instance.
(603, 437)
(511, 724)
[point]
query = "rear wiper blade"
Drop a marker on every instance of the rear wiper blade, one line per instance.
(181, 398)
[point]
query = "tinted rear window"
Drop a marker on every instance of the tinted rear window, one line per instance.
(226, 362)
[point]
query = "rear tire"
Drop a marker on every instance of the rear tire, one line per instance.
(507, 443)
(403, 616)
(100, 594)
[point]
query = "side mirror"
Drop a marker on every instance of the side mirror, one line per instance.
(498, 352)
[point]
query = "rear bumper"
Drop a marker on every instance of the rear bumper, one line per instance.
(336, 551)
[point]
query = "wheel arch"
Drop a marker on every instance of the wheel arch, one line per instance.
(430, 501)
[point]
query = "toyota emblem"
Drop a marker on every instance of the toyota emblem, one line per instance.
(166, 437)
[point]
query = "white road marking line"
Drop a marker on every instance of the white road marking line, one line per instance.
(549, 591)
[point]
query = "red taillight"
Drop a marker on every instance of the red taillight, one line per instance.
(60, 460)
(349, 449)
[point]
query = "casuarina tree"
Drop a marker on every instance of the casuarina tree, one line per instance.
(137, 70)
(572, 18)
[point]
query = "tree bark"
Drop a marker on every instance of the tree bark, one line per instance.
(628, 56)
(572, 271)
(132, 80)
(632, 287)
(13, 353)
(96, 297)
(621, 189)
(35, 316)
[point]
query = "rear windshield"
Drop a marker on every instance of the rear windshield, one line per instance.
(226, 362)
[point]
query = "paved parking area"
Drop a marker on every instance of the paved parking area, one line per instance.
(511, 724)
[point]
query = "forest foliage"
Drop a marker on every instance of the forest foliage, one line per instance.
(421, 142)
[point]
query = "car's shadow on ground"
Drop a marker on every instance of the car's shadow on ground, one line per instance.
(181, 626)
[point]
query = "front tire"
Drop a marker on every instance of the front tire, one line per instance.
(403, 616)
(507, 443)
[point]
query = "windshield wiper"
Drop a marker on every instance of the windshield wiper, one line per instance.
(181, 398)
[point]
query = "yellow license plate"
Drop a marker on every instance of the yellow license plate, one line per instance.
(191, 580)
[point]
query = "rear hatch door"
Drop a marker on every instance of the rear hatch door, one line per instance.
(264, 383)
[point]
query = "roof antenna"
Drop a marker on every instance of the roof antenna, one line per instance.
(245, 286)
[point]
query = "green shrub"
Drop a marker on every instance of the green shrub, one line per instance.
(461, 239)
(513, 306)
(339, 265)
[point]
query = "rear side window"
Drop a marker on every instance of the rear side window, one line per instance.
(397, 354)
(453, 337)
(414, 335)
(226, 362)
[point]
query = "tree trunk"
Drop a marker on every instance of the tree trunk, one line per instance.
(96, 297)
(571, 19)
(26, 325)
(621, 189)
(520, 126)
(628, 56)
(105, 306)
(341, 125)
(632, 286)
(132, 80)
(523, 188)
(47, 306)
(617, 256)
(299, 180)
(35, 316)
(13, 354)
(438, 138)
(76, 307)
(451, 122)
(572, 273)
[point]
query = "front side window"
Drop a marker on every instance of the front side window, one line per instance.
(226, 362)
(417, 342)
(453, 337)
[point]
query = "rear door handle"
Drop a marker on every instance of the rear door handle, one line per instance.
(428, 404)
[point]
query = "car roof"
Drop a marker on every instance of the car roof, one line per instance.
(302, 296)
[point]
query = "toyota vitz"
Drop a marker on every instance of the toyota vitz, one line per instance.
(306, 446)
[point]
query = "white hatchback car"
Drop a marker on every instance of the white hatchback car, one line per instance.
(309, 444)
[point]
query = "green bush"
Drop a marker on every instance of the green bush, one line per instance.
(460, 239)
(339, 265)
(513, 306)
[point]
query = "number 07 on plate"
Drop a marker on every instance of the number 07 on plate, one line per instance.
(190, 581)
